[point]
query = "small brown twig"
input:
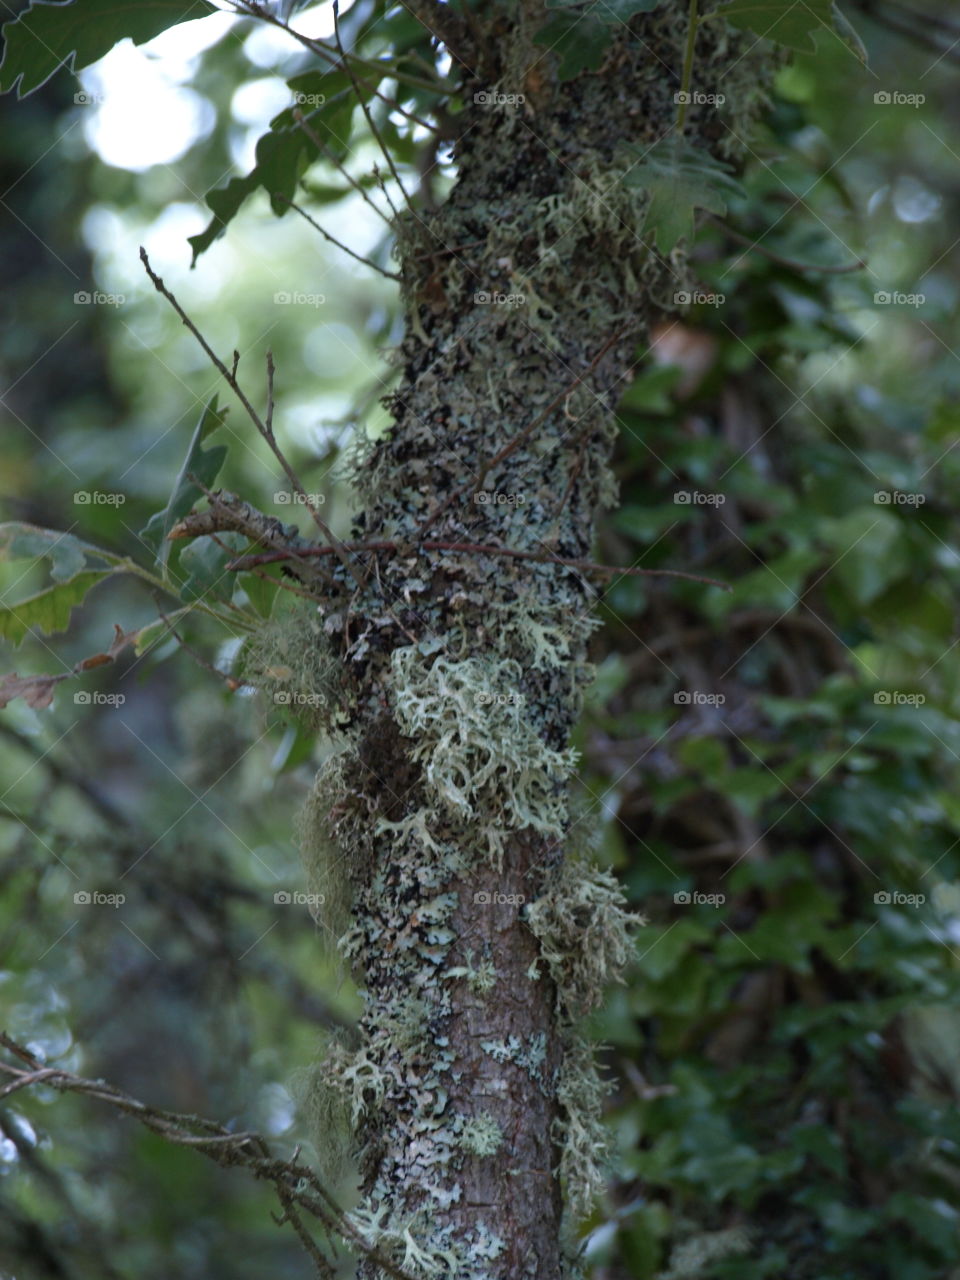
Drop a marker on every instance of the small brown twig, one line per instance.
(367, 262)
(324, 150)
(243, 563)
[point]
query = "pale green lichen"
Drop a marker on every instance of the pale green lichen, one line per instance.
(693, 1258)
(481, 1135)
(579, 1130)
(292, 662)
(478, 751)
(585, 933)
(481, 977)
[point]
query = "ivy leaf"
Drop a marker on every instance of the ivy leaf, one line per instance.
(47, 36)
(325, 100)
(579, 42)
(49, 611)
(793, 24)
(205, 464)
(680, 179)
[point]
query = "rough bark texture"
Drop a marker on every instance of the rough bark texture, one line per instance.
(471, 1088)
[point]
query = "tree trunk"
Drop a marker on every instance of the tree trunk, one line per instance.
(476, 938)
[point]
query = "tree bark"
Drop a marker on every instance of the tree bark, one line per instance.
(527, 292)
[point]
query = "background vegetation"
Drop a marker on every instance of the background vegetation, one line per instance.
(783, 1060)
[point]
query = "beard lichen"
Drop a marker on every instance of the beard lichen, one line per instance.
(479, 753)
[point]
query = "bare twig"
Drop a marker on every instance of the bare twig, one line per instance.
(368, 114)
(367, 262)
(295, 1184)
(265, 430)
(243, 563)
(325, 151)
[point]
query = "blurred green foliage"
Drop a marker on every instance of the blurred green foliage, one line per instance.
(786, 1049)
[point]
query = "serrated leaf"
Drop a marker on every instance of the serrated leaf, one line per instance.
(49, 611)
(793, 24)
(47, 36)
(67, 555)
(679, 180)
(205, 464)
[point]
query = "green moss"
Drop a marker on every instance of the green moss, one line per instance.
(294, 664)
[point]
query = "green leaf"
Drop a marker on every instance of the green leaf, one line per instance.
(326, 101)
(680, 179)
(47, 36)
(205, 561)
(29, 542)
(579, 42)
(793, 24)
(205, 465)
(609, 12)
(49, 611)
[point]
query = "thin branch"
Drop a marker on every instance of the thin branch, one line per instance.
(244, 563)
(519, 439)
(367, 262)
(784, 262)
(265, 430)
(368, 114)
(292, 1181)
(325, 151)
